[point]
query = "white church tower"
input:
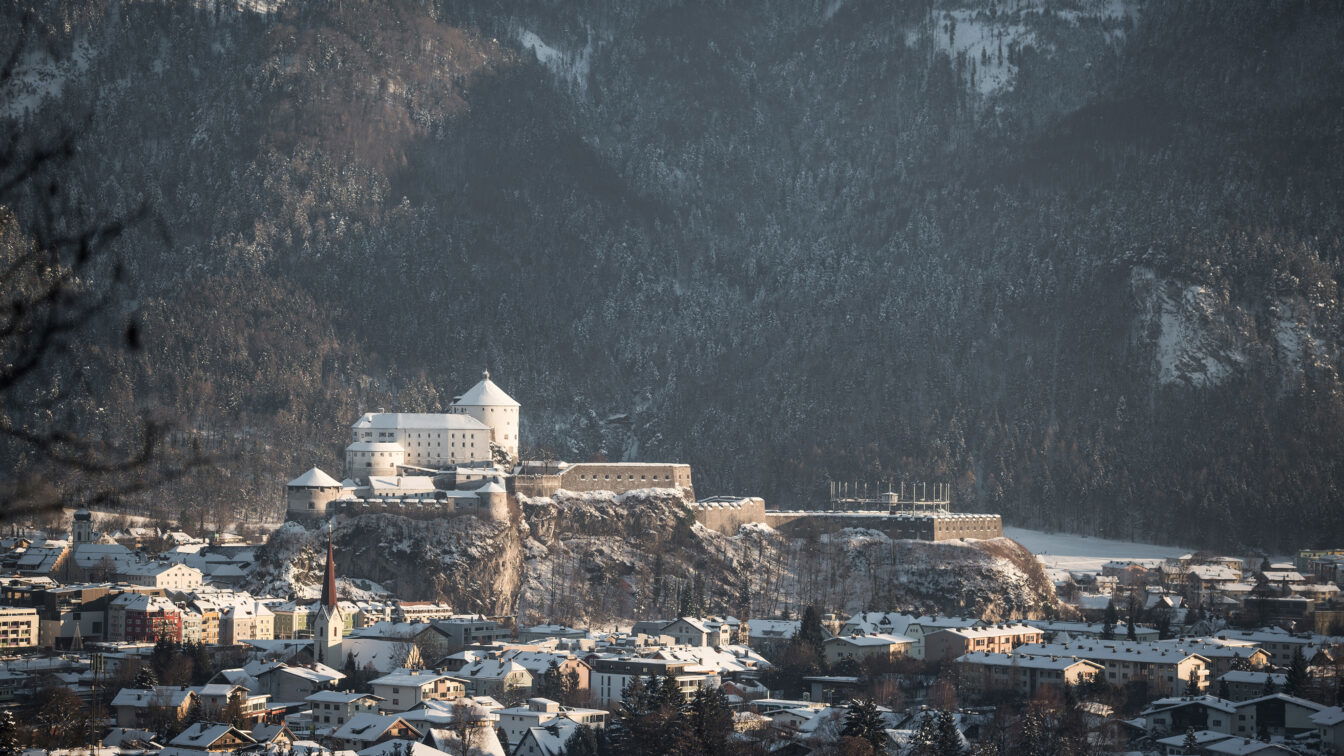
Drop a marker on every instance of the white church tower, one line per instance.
(488, 403)
(329, 624)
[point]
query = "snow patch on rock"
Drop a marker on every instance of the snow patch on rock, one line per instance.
(567, 66)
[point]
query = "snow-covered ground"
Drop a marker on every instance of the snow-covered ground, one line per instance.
(1077, 553)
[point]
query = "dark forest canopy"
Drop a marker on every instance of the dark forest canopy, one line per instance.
(1080, 260)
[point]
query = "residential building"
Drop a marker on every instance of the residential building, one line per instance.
(139, 708)
(1168, 670)
(18, 627)
(405, 689)
(331, 708)
(950, 643)
(213, 737)
(364, 730)
(465, 630)
(502, 679)
(516, 721)
(1026, 674)
(1179, 714)
(865, 648)
(611, 677)
(166, 575)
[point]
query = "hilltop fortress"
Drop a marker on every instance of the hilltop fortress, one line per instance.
(466, 459)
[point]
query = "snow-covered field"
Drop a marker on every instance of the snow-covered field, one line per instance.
(1077, 553)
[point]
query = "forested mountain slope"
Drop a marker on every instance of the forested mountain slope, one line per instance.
(1080, 259)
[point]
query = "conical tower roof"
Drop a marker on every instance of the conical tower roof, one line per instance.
(315, 478)
(486, 394)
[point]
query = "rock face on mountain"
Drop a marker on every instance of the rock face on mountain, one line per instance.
(1078, 259)
(601, 559)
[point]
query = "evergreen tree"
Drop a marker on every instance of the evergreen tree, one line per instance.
(1038, 737)
(163, 656)
(810, 632)
(649, 718)
(949, 737)
(1268, 688)
(9, 734)
(1108, 622)
(1299, 677)
(925, 740)
(195, 712)
(145, 679)
(864, 721)
(571, 687)
(552, 683)
(1190, 745)
(586, 740)
(1191, 686)
(709, 722)
(1224, 692)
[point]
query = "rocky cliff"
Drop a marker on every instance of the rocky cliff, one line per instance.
(602, 559)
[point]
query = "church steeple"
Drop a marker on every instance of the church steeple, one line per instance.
(329, 625)
(329, 579)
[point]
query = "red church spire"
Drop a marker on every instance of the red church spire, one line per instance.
(329, 580)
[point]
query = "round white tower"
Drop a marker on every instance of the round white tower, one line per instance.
(494, 500)
(488, 403)
(365, 458)
(307, 496)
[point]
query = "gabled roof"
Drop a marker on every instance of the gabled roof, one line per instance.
(551, 737)
(336, 696)
(410, 678)
(370, 727)
(418, 421)
(202, 735)
(161, 695)
(1304, 703)
(485, 394)
(314, 478)
(1328, 717)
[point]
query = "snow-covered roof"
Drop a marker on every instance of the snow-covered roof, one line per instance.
(1212, 702)
(875, 639)
(990, 631)
(367, 727)
(1328, 717)
(1025, 661)
(204, 734)
(551, 738)
(1284, 697)
(492, 487)
(378, 483)
(1254, 677)
(490, 669)
(1123, 651)
(409, 678)
(486, 394)
(160, 695)
(342, 697)
(418, 421)
(772, 628)
(398, 747)
(314, 478)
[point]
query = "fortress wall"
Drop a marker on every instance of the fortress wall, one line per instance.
(727, 517)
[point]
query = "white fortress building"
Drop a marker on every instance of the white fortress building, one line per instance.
(381, 442)
(414, 461)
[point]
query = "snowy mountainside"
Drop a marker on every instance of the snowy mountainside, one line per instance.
(1098, 271)
(603, 559)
